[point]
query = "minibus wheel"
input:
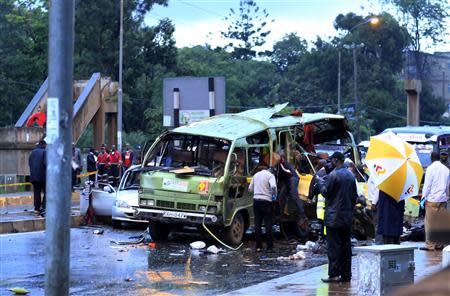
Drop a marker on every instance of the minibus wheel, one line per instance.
(235, 232)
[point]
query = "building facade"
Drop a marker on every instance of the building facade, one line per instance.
(435, 69)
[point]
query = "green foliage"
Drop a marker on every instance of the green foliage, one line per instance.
(136, 138)
(249, 83)
(23, 55)
(424, 19)
(431, 107)
(288, 51)
(306, 78)
(247, 29)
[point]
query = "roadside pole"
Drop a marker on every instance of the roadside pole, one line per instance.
(120, 91)
(59, 150)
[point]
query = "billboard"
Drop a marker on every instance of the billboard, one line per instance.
(190, 99)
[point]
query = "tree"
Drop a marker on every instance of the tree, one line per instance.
(23, 55)
(247, 29)
(288, 51)
(249, 83)
(149, 52)
(424, 19)
(97, 34)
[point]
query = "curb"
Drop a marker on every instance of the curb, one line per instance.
(27, 199)
(35, 224)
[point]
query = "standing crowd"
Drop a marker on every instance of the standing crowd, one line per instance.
(336, 183)
(108, 165)
(104, 167)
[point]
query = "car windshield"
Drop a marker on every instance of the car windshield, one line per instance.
(132, 180)
(423, 152)
(203, 155)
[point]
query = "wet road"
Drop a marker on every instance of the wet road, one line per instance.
(99, 267)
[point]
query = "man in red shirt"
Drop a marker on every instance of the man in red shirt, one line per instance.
(103, 164)
(127, 157)
(116, 162)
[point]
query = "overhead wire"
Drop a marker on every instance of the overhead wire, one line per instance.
(201, 8)
(18, 82)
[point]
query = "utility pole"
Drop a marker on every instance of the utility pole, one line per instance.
(59, 150)
(373, 21)
(355, 93)
(120, 92)
(339, 81)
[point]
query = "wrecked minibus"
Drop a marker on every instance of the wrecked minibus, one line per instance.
(199, 174)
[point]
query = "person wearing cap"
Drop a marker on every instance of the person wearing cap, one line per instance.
(264, 188)
(127, 157)
(435, 191)
(37, 163)
(340, 193)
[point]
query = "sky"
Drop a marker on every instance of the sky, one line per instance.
(198, 22)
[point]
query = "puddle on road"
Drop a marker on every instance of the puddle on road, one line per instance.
(175, 269)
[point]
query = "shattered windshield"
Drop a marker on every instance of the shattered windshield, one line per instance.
(132, 181)
(206, 156)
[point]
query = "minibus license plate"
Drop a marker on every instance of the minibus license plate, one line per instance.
(177, 215)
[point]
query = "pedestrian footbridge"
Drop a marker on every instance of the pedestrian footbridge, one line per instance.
(94, 103)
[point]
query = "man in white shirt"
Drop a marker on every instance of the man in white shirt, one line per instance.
(264, 188)
(435, 192)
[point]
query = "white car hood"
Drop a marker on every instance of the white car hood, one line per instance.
(130, 196)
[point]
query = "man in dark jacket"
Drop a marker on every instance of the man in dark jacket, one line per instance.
(289, 179)
(37, 162)
(340, 195)
(390, 218)
(91, 161)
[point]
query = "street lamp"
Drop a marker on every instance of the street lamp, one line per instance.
(373, 21)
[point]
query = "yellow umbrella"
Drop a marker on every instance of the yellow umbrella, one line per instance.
(394, 165)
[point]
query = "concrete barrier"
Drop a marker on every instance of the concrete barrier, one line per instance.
(27, 199)
(34, 224)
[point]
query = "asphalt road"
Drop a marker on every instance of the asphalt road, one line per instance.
(99, 267)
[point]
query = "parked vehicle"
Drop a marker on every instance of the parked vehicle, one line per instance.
(199, 174)
(120, 203)
(425, 139)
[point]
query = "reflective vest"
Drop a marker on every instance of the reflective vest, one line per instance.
(127, 160)
(320, 210)
(116, 158)
(103, 158)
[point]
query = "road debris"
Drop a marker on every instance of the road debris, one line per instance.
(19, 291)
(140, 239)
(308, 246)
(214, 250)
(300, 255)
(198, 245)
(269, 270)
(99, 231)
(198, 282)
(251, 265)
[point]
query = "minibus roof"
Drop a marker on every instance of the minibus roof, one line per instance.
(239, 125)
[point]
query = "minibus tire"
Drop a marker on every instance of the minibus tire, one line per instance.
(158, 231)
(235, 232)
